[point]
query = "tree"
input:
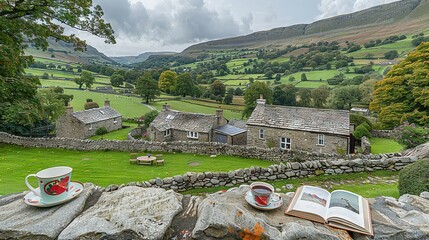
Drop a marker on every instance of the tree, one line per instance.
(218, 88)
(146, 87)
(184, 84)
(290, 95)
(238, 91)
(167, 80)
(101, 131)
(304, 97)
(367, 88)
(85, 78)
(320, 95)
(228, 99)
(345, 96)
(36, 20)
(403, 94)
(52, 103)
(303, 77)
(279, 96)
(291, 79)
(116, 80)
(149, 117)
(252, 93)
(90, 105)
(391, 54)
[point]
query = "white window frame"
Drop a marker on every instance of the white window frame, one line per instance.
(167, 132)
(286, 144)
(90, 126)
(320, 140)
(261, 133)
(193, 135)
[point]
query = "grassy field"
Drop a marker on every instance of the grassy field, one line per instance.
(189, 107)
(105, 167)
(52, 73)
(65, 83)
(385, 145)
(214, 104)
(130, 107)
(403, 47)
(310, 84)
(120, 134)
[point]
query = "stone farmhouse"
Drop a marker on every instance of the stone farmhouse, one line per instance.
(299, 128)
(83, 124)
(172, 125)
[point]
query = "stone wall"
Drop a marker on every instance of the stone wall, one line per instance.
(178, 135)
(365, 145)
(290, 170)
(300, 140)
(383, 133)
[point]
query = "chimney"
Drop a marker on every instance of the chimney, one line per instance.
(107, 103)
(166, 107)
(219, 116)
(69, 110)
(261, 100)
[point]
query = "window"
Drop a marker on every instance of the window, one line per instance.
(90, 127)
(321, 139)
(193, 135)
(115, 121)
(285, 143)
(167, 132)
(261, 134)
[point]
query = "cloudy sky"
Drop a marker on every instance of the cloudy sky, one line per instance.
(172, 25)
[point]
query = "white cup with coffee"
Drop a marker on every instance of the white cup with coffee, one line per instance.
(262, 193)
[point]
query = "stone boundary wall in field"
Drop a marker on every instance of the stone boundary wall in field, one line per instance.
(192, 180)
(383, 133)
(203, 148)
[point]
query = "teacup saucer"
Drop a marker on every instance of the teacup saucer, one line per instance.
(32, 199)
(276, 202)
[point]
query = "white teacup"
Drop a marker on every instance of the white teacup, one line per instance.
(262, 193)
(53, 184)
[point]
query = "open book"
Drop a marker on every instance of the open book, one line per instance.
(340, 209)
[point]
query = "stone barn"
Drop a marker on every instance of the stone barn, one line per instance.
(83, 124)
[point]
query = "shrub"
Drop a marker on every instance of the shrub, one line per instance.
(357, 119)
(91, 105)
(414, 178)
(411, 135)
(149, 117)
(361, 131)
(101, 131)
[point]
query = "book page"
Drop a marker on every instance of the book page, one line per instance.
(346, 205)
(313, 200)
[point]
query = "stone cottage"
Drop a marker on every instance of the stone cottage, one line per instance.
(172, 125)
(299, 128)
(83, 124)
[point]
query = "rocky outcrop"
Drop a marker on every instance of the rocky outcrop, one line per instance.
(153, 213)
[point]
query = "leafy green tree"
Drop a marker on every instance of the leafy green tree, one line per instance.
(79, 81)
(303, 77)
(252, 93)
(228, 99)
(149, 117)
(116, 80)
(343, 97)
(184, 84)
(304, 97)
(290, 95)
(90, 105)
(52, 104)
(167, 80)
(219, 99)
(361, 131)
(279, 95)
(217, 88)
(85, 78)
(101, 131)
(291, 79)
(146, 87)
(320, 96)
(391, 54)
(238, 91)
(403, 94)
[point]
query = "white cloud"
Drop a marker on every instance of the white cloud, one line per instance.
(330, 8)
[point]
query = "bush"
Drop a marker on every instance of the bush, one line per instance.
(149, 117)
(357, 119)
(101, 131)
(411, 135)
(414, 178)
(91, 105)
(361, 131)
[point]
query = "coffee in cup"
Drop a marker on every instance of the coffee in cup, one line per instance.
(262, 193)
(53, 184)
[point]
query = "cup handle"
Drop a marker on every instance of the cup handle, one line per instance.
(35, 191)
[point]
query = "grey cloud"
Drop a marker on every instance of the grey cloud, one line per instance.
(172, 22)
(330, 8)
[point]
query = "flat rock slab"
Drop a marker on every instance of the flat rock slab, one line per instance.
(228, 216)
(20, 221)
(128, 213)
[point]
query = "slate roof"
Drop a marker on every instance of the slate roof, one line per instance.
(184, 121)
(299, 118)
(229, 130)
(237, 123)
(96, 115)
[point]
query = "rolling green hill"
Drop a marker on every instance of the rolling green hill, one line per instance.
(140, 58)
(402, 17)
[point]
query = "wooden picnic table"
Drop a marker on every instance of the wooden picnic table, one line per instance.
(148, 160)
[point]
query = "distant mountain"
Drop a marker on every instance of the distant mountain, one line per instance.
(402, 17)
(140, 58)
(65, 52)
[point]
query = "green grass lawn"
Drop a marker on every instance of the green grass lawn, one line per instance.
(385, 145)
(51, 72)
(120, 134)
(189, 107)
(130, 107)
(310, 84)
(105, 167)
(64, 83)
